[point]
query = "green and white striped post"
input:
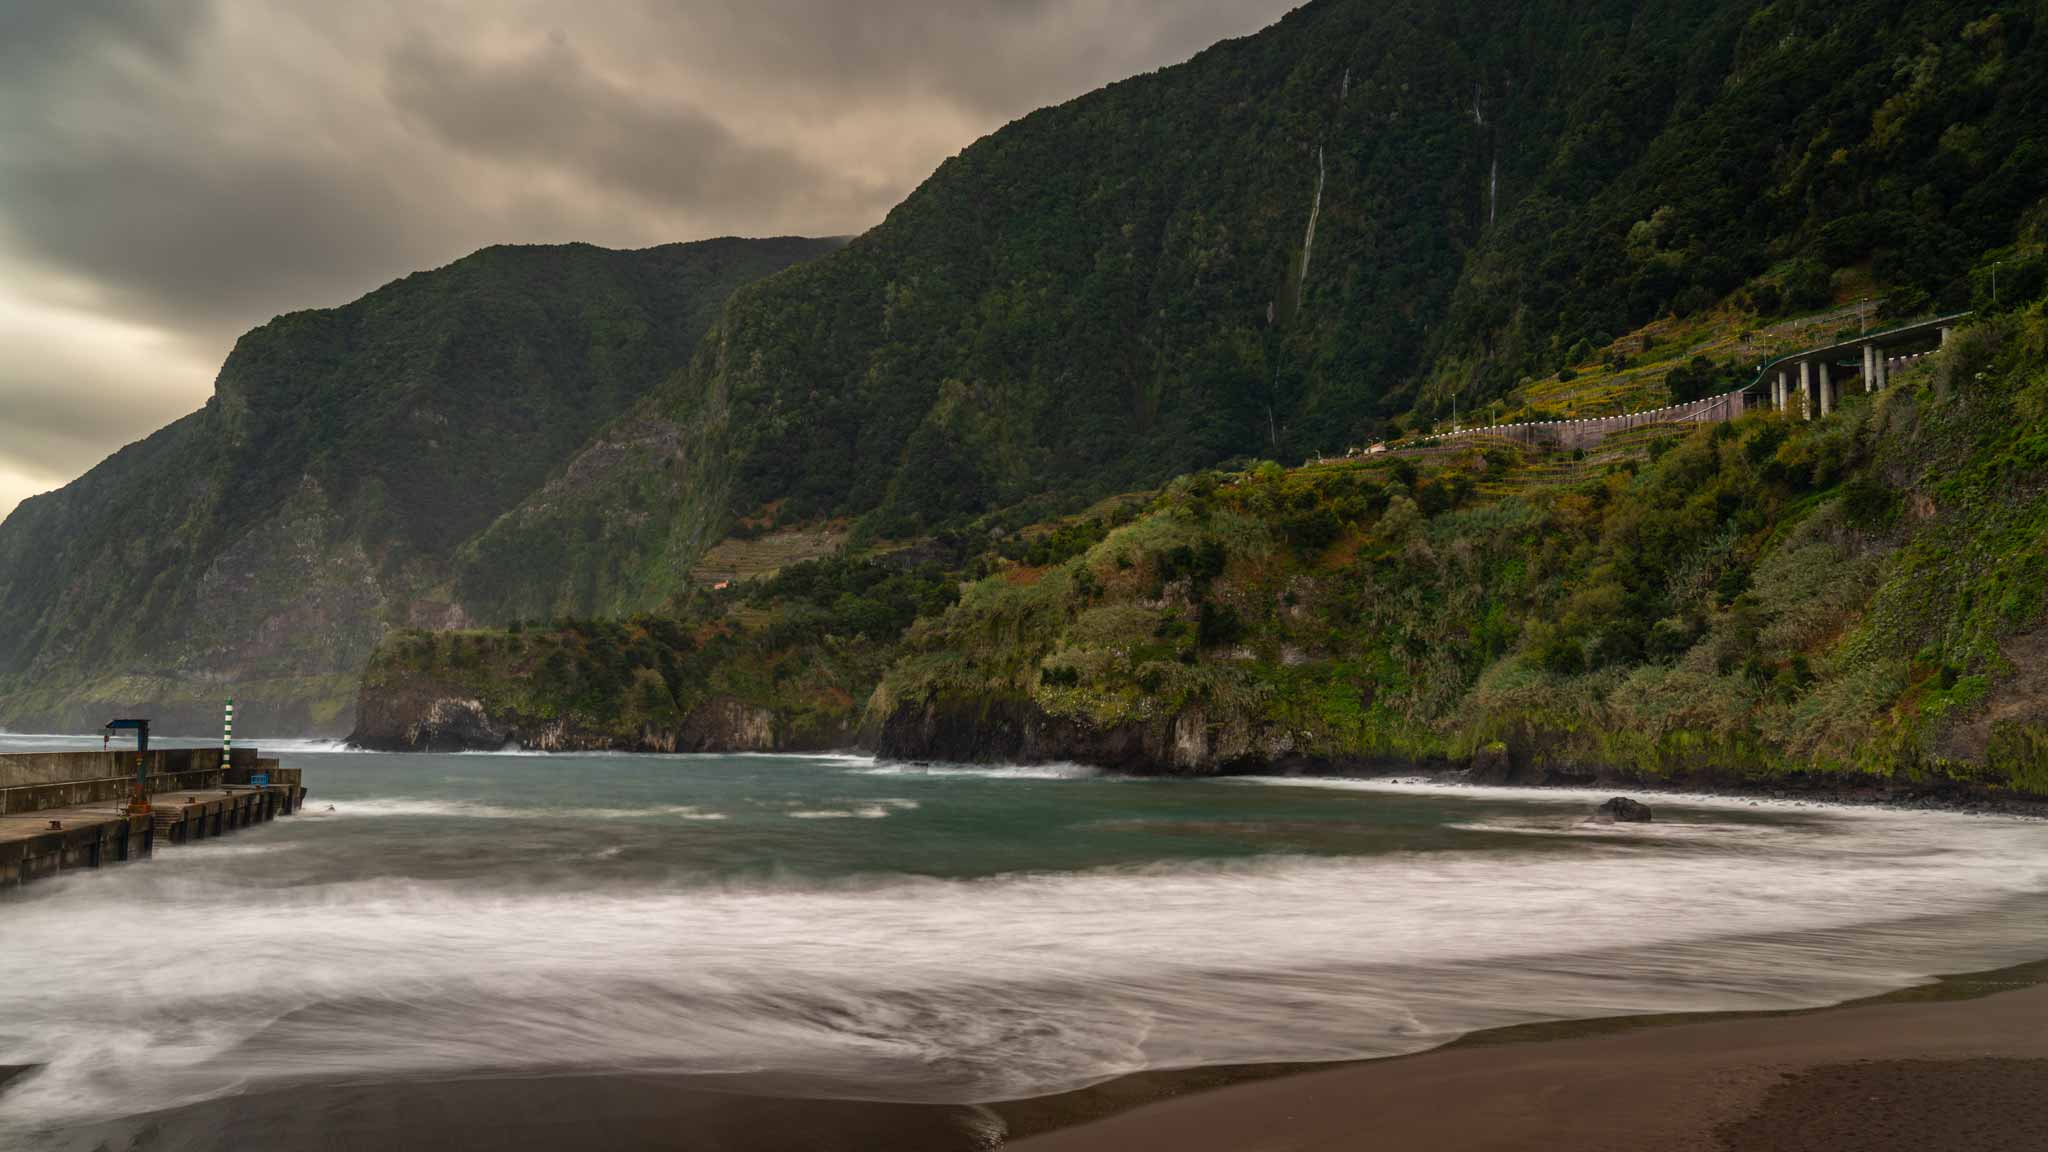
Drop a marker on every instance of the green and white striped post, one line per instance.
(227, 731)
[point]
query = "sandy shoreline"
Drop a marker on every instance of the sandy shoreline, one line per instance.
(1946, 1067)
(1943, 1068)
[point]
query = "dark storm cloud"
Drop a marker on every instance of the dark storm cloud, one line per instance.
(212, 241)
(37, 32)
(998, 57)
(548, 108)
(173, 172)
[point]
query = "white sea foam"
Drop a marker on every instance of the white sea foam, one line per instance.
(1054, 771)
(1561, 796)
(267, 746)
(873, 810)
(810, 757)
(472, 810)
(290, 747)
(980, 989)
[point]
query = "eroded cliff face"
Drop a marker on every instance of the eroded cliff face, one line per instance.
(1015, 729)
(261, 547)
(444, 718)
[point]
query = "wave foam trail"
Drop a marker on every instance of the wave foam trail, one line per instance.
(872, 811)
(1055, 771)
(969, 990)
(471, 810)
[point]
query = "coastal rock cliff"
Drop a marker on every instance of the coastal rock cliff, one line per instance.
(649, 684)
(1016, 729)
(423, 719)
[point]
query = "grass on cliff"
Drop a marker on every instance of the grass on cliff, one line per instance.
(1764, 596)
(1759, 598)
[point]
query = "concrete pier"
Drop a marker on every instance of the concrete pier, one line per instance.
(66, 810)
(35, 845)
(186, 816)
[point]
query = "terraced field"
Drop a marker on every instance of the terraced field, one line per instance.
(734, 559)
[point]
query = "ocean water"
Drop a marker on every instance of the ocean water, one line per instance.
(840, 928)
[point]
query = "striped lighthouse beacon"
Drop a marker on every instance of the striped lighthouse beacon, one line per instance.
(227, 731)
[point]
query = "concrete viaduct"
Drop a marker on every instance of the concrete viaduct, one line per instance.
(1813, 378)
(1816, 373)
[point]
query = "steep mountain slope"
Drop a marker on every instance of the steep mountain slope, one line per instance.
(1349, 223)
(1365, 213)
(263, 544)
(1855, 599)
(1290, 243)
(1858, 603)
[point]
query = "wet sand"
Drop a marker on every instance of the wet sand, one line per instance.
(535, 1114)
(1954, 1066)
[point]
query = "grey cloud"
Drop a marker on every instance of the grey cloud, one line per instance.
(181, 170)
(51, 425)
(998, 57)
(548, 108)
(43, 32)
(208, 241)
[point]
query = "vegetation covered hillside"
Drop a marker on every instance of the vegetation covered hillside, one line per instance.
(1305, 239)
(262, 545)
(1860, 597)
(1858, 600)
(1371, 217)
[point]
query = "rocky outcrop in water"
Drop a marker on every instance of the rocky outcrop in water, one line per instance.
(1622, 810)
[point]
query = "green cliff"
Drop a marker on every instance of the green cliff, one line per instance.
(1856, 602)
(1859, 598)
(263, 545)
(1351, 225)
(1299, 241)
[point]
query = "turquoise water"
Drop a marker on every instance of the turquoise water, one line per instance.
(834, 926)
(717, 820)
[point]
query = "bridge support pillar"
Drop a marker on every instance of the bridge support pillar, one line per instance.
(1883, 369)
(1944, 337)
(1868, 384)
(1782, 391)
(1827, 390)
(1806, 389)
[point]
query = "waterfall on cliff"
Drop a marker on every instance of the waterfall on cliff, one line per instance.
(1308, 242)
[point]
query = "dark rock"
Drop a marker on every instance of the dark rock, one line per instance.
(1622, 810)
(1490, 765)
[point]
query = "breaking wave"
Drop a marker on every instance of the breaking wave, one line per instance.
(975, 989)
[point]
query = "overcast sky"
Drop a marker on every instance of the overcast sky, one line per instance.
(175, 172)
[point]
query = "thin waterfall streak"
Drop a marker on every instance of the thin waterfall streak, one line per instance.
(1308, 242)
